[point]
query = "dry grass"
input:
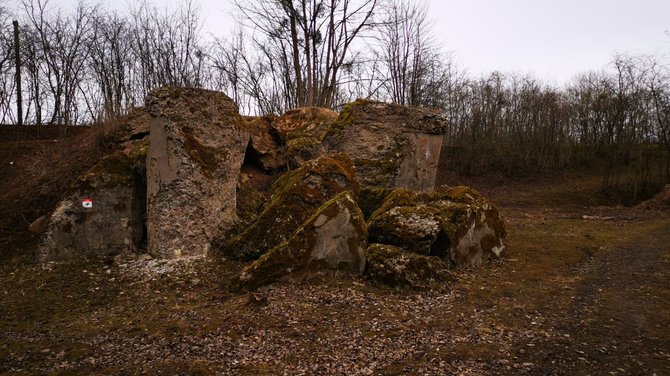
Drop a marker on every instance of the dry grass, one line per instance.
(36, 172)
(583, 291)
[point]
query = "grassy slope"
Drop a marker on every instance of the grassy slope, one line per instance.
(576, 295)
(36, 171)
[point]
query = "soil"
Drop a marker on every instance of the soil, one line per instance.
(582, 290)
(36, 166)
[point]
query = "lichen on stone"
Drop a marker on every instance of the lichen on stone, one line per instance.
(346, 117)
(455, 223)
(390, 145)
(393, 266)
(334, 237)
(301, 149)
(295, 196)
(302, 130)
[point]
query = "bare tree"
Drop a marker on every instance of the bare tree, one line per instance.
(166, 47)
(410, 57)
(110, 64)
(305, 45)
(60, 44)
(6, 68)
(659, 88)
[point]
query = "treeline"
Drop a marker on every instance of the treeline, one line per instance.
(92, 64)
(618, 121)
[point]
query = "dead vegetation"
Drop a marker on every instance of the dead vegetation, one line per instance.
(37, 169)
(582, 290)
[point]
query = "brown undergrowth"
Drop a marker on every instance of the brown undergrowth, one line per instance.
(582, 291)
(36, 171)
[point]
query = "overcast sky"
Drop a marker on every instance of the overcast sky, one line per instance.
(551, 39)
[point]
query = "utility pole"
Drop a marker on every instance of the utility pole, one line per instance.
(17, 56)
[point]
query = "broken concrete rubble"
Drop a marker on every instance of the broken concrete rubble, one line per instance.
(454, 223)
(304, 122)
(198, 142)
(393, 266)
(390, 145)
(302, 131)
(333, 238)
(295, 197)
(178, 191)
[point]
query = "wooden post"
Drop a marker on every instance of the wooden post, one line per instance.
(19, 104)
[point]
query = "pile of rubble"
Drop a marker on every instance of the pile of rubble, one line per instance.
(307, 191)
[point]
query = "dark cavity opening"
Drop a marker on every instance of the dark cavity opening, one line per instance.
(139, 208)
(251, 157)
(441, 247)
(139, 135)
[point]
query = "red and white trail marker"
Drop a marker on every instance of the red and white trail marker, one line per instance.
(87, 203)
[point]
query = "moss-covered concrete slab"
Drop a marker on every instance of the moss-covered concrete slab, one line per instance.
(103, 212)
(393, 266)
(302, 131)
(304, 121)
(454, 223)
(333, 238)
(295, 197)
(391, 145)
(198, 143)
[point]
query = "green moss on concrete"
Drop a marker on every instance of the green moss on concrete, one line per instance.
(204, 156)
(333, 172)
(408, 197)
(347, 117)
(371, 198)
(302, 131)
(138, 151)
(469, 225)
(461, 194)
(117, 165)
(397, 197)
(118, 168)
(303, 149)
(392, 266)
(294, 197)
(312, 122)
(297, 144)
(291, 258)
